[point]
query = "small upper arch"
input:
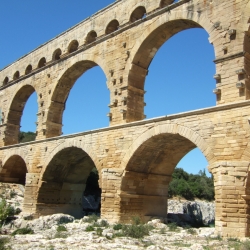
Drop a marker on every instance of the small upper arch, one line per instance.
(137, 14)
(6, 80)
(42, 62)
(15, 110)
(91, 37)
(112, 26)
(28, 69)
(16, 75)
(73, 46)
(56, 55)
(165, 3)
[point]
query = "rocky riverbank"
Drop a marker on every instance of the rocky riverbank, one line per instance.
(193, 213)
(64, 232)
(61, 231)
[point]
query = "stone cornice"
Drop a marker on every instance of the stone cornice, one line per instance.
(230, 57)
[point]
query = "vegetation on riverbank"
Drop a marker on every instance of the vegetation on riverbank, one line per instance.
(191, 186)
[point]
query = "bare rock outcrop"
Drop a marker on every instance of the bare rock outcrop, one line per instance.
(196, 213)
(43, 222)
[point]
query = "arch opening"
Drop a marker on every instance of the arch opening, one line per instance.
(91, 37)
(28, 69)
(12, 133)
(73, 46)
(6, 80)
(64, 183)
(191, 179)
(56, 55)
(176, 71)
(165, 3)
(138, 14)
(16, 75)
(14, 170)
(75, 93)
(148, 173)
(112, 26)
(29, 123)
(42, 62)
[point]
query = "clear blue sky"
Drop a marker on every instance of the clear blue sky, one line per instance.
(180, 76)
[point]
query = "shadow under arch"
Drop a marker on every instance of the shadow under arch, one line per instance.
(142, 55)
(15, 113)
(137, 14)
(246, 49)
(14, 170)
(165, 3)
(63, 182)
(61, 93)
(149, 164)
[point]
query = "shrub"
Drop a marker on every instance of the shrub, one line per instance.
(5, 211)
(24, 230)
(3, 242)
(99, 231)
(61, 228)
(136, 231)
(191, 231)
(90, 228)
(18, 211)
(117, 227)
(102, 223)
(136, 220)
(172, 227)
(181, 244)
(13, 193)
(91, 218)
(60, 234)
(245, 245)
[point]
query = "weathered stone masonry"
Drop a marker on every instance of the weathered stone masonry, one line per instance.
(135, 157)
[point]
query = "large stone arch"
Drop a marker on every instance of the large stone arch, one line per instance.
(61, 90)
(14, 169)
(73, 143)
(147, 46)
(63, 182)
(149, 164)
(15, 111)
(170, 128)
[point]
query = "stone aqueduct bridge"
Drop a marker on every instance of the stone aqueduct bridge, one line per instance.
(135, 157)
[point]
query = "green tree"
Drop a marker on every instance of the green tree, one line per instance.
(26, 136)
(191, 186)
(5, 211)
